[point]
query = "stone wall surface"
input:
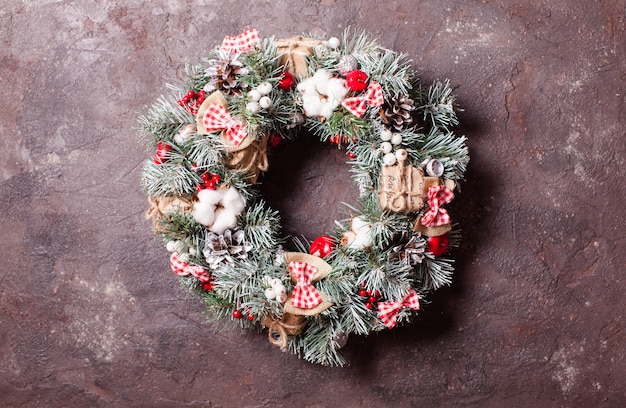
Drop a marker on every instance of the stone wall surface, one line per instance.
(91, 316)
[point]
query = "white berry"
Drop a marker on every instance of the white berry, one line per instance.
(270, 294)
(265, 88)
(386, 147)
(265, 102)
(401, 154)
(396, 139)
(253, 107)
(171, 246)
(254, 95)
(386, 135)
(334, 42)
(275, 282)
(389, 159)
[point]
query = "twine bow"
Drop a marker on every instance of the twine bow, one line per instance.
(217, 117)
(388, 311)
(436, 215)
(184, 269)
(304, 295)
(358, 104)
(241, 43)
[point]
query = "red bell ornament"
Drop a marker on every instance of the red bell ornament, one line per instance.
(322, 246)
(438, 245)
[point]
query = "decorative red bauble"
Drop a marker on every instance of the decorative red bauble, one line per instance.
(287, 81)
(162, 150)
(275, 140)
(322, 246)
(356, 80)
(237, 314)
(438, 245)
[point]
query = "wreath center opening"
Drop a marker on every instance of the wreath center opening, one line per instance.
(308, 182)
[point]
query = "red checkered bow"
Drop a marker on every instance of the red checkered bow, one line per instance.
(304, 295)
(217, 117)
(241, 43)
(437, 196)
(184, 269)
(388, 311)
(373, 97)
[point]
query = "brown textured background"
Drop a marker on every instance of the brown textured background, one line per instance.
(90, 315)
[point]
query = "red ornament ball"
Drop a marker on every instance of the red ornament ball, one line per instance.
(322, 246)
(438, 245)
(363, 293)
(237, 314)
(287, 81)
(356, 80)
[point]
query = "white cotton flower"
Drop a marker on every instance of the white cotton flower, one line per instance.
(322, 93)
(218, 209)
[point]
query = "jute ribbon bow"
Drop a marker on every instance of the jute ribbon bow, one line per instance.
(436, 215)
(388, 311)
(358, 104)
(240, 43)
(184, 269)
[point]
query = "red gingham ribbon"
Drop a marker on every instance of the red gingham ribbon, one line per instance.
(388, 311)
(217, 117)
(184, 269)
(437, 196)
(241, 43)
(373, 97)
(304, 295)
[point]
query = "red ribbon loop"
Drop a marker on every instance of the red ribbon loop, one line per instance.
(241, 43)
(304, 295)
(436, 215)
(184, 269)
(217, 117)
(388, 311)
(358, 104)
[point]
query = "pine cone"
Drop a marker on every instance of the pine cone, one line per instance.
(225, 248)
(397, 111)
(408, 249)
(224, 73)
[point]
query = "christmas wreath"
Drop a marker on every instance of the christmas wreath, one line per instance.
(212, 136)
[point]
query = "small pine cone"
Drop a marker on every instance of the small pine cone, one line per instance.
(346, 64)
(397, 111)
(224, 75)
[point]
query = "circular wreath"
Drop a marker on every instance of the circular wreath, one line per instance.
(212, 135)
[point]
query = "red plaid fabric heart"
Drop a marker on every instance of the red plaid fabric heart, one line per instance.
(217, 117)
(358, 104)
(304, 295)
(388, 311)
(437, 196)
(184, 269)
(241, 43)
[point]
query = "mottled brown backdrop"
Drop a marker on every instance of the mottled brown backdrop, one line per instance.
(91, 316)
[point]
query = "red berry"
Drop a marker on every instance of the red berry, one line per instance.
(287, 81)
(377, 294)
(186, 99)
(372, 299)
(370, 306)
(438, 245)
(205, 177)
(210, 185)
(275, 140)
(362, 293)
(202, 94)
(250, 317)
(356, 80)
(190, 94)
(208, 286)
(351, 155)
(216, 178)
(237, 314)
(181, 102)
(199, 187)
(322, 246)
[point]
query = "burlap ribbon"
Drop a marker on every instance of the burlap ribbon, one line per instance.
(323, 269)
(251, 160)
(159, 206)
(279, 329)
(293, 53)
(402, 188)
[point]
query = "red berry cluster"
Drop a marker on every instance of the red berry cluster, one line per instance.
(339, 139)
(161, 154)
(238, 314)
(209, 181)
(192, 101)
(370, 298)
